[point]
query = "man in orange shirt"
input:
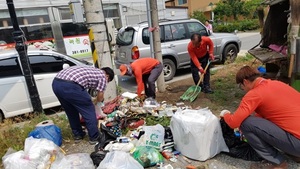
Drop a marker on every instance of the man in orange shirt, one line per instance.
(268, 117)
(200, 50)
(146, 72)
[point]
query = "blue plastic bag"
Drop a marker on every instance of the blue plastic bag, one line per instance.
(50, 132)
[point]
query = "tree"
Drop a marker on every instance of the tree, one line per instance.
(235, 8)
(199, 15)
(250, 8)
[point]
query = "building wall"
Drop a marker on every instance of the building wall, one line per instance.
(194, 5)
(176, 13)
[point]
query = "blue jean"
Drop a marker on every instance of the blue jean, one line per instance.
(266, 138)
(75, 100)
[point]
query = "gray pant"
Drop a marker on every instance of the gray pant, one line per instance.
(149, 80)
(266, 139)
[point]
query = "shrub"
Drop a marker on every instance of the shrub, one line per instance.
(244, 25)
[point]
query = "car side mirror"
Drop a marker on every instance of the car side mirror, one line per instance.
(208, 32)
(65, 66)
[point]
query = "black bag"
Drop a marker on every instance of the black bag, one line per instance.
(97, 157)
(105, 137)
(238, 148)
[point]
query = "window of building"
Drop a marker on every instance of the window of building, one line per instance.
(181, 2)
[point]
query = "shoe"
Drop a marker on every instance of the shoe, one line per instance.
(207, 90)
(94, 141)
(78, 138)
(294, 158)
(268, 165)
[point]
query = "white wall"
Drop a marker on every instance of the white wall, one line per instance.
(176, 13)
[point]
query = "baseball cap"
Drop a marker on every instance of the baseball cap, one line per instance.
(123, 69)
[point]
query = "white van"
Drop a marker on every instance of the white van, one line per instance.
(14, 96)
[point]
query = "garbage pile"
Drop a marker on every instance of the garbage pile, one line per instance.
(132, 136)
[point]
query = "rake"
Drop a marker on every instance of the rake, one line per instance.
(192, 92)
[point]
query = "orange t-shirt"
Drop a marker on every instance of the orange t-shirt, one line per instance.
(206, 45)
(141, 67)
(271, 100)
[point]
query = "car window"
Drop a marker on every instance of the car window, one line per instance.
(175, 32)
(195, 27)
(125, 36)
(146, 35)
(47, 64)
(10, 67)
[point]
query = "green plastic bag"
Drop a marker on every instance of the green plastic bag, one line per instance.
(147, 156)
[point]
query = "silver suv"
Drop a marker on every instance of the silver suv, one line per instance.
(133, 43)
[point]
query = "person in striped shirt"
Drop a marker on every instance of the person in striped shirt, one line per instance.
(70, 87)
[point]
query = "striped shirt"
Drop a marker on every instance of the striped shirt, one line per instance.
(87, 77)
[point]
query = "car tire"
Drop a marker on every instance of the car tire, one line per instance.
(229, 54)
(169, 69)
(1, 116)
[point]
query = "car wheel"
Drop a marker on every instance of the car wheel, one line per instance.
(169, 69)
(229, 54)
(1, 116)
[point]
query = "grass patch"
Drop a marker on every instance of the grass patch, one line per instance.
(227, 95)
(14, 137)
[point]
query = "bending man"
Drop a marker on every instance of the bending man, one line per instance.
(70, 86)
(146, 72)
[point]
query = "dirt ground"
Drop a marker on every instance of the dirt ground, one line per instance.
(176, 89)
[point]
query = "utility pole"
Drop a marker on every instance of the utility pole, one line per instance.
(21, 48)
(150, 23)
(96, 23)
(156, 42)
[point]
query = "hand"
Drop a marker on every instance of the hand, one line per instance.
(211, 57)
(201, 70)
(223, 112)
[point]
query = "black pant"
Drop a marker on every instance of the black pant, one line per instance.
(266, 138)
(149, 80)
(195, 72)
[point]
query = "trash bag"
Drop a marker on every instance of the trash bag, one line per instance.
(97, 157)
(119, 160)
(50, 132)
(147, 156)
(237, 147)
(105, 137)
(77, 160)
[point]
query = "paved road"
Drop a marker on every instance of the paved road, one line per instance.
(249, 40)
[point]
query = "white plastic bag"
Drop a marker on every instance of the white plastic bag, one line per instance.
(16, 160)
(197, 134)
(154, 136)
(119, 160)
(72, 161)
(37, 154)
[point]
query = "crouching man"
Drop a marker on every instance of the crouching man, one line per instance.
(274, 127)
